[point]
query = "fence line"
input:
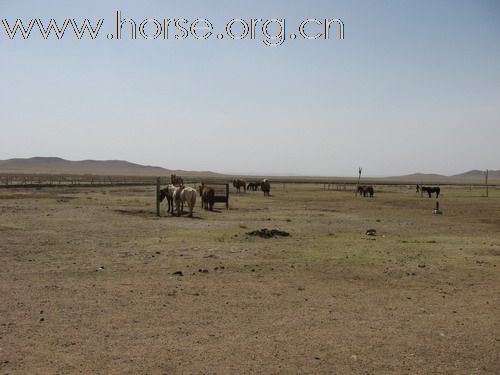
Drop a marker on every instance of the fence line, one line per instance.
(34, 181)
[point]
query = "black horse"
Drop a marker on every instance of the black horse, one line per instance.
(366, 191)
(253, 186)
(265, 186)
(429, 190)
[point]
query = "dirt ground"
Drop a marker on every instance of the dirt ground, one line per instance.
(87, 284)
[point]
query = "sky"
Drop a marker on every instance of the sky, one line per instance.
(414, 86)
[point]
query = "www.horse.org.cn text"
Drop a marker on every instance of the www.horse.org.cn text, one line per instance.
(271, 32)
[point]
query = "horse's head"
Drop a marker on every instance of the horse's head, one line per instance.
(163, 195)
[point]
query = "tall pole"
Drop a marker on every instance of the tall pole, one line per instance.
(359, 179)
(487, 192)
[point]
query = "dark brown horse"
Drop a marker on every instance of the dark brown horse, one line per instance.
(207, 195)
(431, 189)
(253, 186)
(265, 185)
(176, 180)
(366, 191)
(238, 184)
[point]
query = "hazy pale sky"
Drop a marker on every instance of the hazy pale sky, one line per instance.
(413, 87)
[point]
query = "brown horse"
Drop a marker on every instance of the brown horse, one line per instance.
(366, 191)
(207, 195)
(265, 185)
(238, 184)
(176, 180)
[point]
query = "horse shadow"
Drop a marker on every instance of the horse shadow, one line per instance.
(184, 214)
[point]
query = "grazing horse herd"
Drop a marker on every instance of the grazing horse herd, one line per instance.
(177, 194)
(263, 185)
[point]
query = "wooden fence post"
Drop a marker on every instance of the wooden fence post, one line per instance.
(227, 196)
(487, 190)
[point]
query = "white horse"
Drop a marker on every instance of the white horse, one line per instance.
(188, 196)
(184, 195)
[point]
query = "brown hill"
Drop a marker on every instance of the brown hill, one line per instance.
(476, 174)
(53, 165)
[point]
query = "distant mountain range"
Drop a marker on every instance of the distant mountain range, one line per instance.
(53, 165)
(479, 174)
(470, 176)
